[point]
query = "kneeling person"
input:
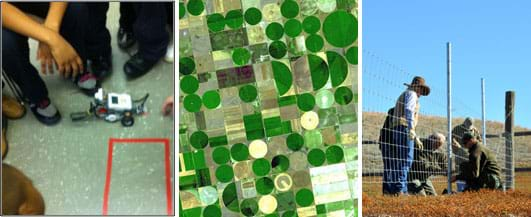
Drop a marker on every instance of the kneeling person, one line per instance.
(481, 170)
(426, 163)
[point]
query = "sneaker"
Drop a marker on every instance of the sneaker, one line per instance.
(88, 83)
(169, 53)
(45, 112)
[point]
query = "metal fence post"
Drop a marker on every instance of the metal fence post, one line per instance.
(509, 136)
(483, 119)
(449, 114)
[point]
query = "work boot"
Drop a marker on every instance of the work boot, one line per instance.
(11, 108)
(138, 66)
(45, 112)
(4, 140)
(126, 38)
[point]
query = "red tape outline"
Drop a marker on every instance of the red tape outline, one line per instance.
(166, 143)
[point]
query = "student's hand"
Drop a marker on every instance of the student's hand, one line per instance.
(44, 55)
(167, 106)
(66, 58)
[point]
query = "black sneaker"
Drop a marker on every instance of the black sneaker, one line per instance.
(126, 38)
(45, 112)
(138, 66)
(88, 83)
(101, 67)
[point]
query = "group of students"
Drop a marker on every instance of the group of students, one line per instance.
(73, 39)
(410, 161)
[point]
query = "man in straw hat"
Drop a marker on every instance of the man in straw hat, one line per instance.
(403, 123)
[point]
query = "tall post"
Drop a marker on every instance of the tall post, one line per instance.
(483, 115)
(449, 114)
(509, 136)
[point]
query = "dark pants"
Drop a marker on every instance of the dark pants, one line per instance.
(148, 22)
(98, 40)
(15, 58)
(485, 180)
(127, 15)
(397, 165)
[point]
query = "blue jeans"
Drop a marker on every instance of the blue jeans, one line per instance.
(397, 162)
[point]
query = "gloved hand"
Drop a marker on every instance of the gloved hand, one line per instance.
(455, 144)
(412, 135)
(418, 144)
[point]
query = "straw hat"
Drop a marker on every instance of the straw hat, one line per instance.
(420, 82)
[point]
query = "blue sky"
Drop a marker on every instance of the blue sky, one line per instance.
(490, 39)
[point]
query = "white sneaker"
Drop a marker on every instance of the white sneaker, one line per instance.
(169, 52)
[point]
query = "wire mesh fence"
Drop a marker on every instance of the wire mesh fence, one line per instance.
(383, 82)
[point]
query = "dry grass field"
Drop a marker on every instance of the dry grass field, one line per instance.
(483, 203)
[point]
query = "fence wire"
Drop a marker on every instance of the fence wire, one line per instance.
(383, 82)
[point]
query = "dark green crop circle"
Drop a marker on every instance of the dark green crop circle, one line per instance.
(295, 141)
(195, 7)
(316, 157)
(261, 167)
(264, 185)
(186, 65)
(343, 95)
(192, 103)
(314, 43)
(189, 84)
(274, 31)
(211, 99)
(224, 173)
(277, 49)
(293, 28)
(289, 9)
(239, 152)
(311, 24)
(199, 139)
(305, 102)
(253, 16)
(248, 93)
(221, 155)
(240, 56)
(234, 19)
(216, 22)
(334, 154)
(340, 28)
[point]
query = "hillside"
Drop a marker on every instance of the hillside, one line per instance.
(427, 124)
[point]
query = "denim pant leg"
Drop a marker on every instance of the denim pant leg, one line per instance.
(404, 159)
(386, 167)
(150, 30)
(16, 64)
